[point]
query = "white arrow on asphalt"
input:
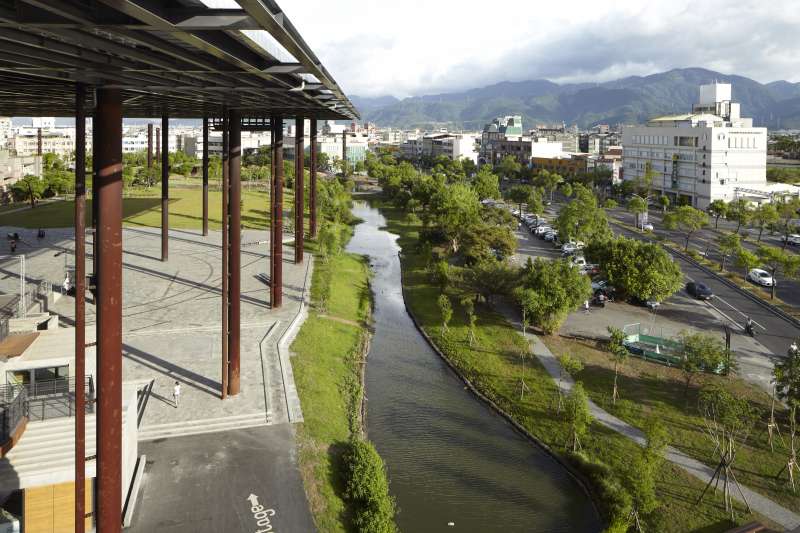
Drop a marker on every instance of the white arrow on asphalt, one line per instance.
(253, 500)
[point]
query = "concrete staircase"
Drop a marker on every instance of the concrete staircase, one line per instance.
(208, 425)
(45, 452)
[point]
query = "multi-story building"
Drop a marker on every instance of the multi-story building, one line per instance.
(454, 146)
(14, 167)
(565, 164)
(26, 143)
(560, 134)
(599, 143)
(502, 137)
(712, 153)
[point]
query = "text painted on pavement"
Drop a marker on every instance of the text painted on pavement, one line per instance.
(261, 515)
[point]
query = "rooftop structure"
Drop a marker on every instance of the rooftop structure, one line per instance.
(238, 69)
(709, 154)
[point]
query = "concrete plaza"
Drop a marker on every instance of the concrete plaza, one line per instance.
(171, 323)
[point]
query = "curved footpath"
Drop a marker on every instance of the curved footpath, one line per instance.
(766, 507)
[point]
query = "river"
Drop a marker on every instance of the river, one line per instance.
(450, 458)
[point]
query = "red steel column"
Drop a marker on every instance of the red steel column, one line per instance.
(39, 142)
(80, 308)
(158, 144)
(312, 187)
(277, 216)
(272, 236)
(205, 176)
(149, 146)
(95, 200)
(225, 254)
(235, 231)
(164, 187)
(109, 311)
(299, 189)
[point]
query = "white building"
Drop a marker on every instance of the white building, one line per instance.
(709, 154)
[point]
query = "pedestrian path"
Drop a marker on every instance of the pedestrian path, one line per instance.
(206, 425)
(764, 506)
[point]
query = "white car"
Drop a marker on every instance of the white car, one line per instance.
(647, 227)
(542, 230)
(760, 277)
(569, 248)
(793, 239)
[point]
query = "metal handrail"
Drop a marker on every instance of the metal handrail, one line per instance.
(11, 414)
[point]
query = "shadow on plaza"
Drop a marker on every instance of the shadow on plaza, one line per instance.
(171, 370)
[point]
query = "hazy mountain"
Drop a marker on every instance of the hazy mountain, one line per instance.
(628, 100)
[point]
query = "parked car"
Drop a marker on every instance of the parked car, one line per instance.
(550, 236)
(761, 277)
(701, 291)
(569, 248)
(541, 230)
(648, 303)
(647, 227)
(793, 239)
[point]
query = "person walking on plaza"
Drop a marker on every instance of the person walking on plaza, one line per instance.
(176, 394)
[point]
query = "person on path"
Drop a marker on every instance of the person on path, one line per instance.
(586, 306)
(176, 394)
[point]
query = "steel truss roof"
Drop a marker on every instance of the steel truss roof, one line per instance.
(177, 57)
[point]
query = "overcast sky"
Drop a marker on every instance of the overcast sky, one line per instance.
(412, 47)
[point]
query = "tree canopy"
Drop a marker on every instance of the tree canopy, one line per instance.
(550, 290)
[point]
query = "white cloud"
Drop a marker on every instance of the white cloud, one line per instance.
(377, 47)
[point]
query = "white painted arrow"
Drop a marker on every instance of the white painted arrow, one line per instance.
(253, 500)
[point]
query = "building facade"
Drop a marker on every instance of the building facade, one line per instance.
(701, 156)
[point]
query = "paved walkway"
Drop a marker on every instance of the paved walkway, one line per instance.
(758, 503)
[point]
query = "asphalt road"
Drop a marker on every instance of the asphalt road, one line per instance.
(774, 332)
(705, 241)
(223, 482)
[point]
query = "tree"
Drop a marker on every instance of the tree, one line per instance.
(728, 420)
(663, 201)
(775, 260)
(29, 188)
(486, 184)
(746, 260)
(582, 219)
(469, 309)
(456, 209)
(578, 415)
(644, 184)
(566, 189)
(717, 209)
(446, 310)
(638, 206)
(699, 352)
(686, 220)
(572, 366)
(610, 203)
(786, 379)
(534, 201)
(619, 354)
(639, 479)
(548, 181)
(519, 194)
(729, 244)
(787, 213)
(508, 167)
(740, 211)
(550, 290)
(765, 216)
(639, 269)
(490, 277)
(441, 275)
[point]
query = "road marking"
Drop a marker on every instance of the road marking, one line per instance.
(261, 515)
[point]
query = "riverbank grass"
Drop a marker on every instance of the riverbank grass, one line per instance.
(495, 366)
(144, 209)
(329, 356)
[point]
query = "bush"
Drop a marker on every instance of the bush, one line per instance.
(368, 489)
(615, 503)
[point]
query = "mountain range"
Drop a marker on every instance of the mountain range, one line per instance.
(630, 100)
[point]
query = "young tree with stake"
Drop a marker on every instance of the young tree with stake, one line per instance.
(619, 354)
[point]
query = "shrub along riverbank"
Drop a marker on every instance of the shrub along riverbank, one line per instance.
(344, 477)
(487, 350)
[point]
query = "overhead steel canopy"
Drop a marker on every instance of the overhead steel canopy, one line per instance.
(166, 56)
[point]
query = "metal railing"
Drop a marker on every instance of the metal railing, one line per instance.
(44, 400)
(12, 411)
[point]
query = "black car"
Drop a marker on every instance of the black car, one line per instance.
(699, 290)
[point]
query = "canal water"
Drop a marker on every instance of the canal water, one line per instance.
(449, 457)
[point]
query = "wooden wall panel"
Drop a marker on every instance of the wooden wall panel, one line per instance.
(51, 509)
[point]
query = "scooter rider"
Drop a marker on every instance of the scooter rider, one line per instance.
(748, 327)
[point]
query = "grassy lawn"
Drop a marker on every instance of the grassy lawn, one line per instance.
(327, 374)
(12, 206)
(144, 209)
(650, 390)
(494, 365)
